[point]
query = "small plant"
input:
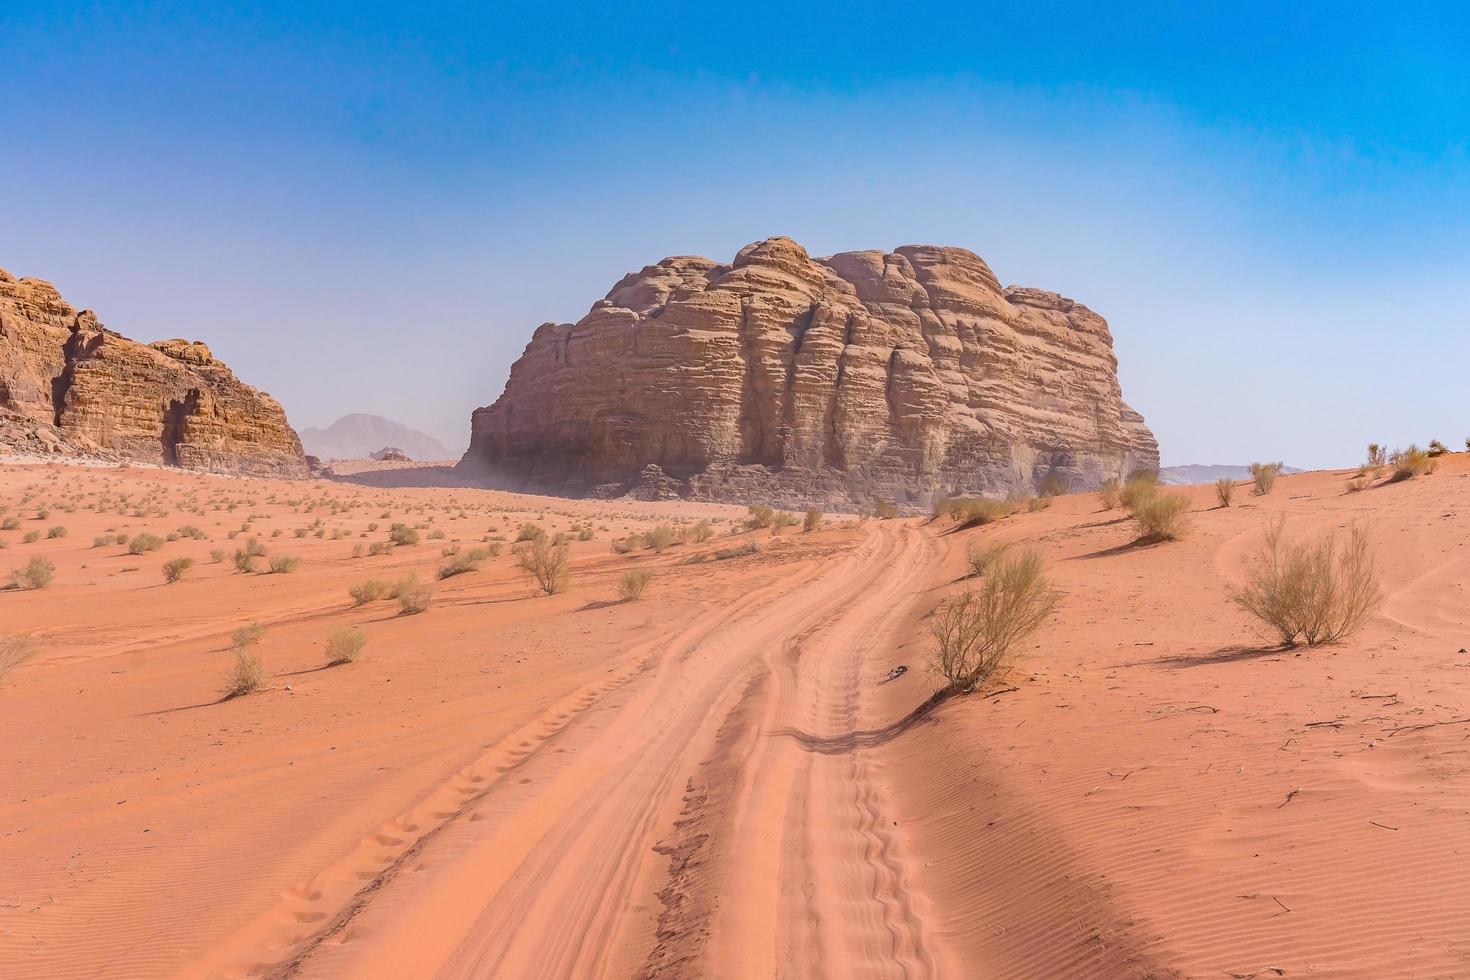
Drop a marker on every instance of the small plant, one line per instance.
(738, 551)
(549, 565)
(975, 512)
(246, 676)
(1140, 484)
(633, 583)
(1108, 493)
(34, 574)
(120, 539)
(1377, 459)
(976, 631)
(463, 561)
(245, 557)
(1264, 475)
(14, 651)
(284, 564)
(701, 532)
(1437, 448)
(30, 537)
(56, 532)
(1359, 484)
(659, 538)
(1161, 516)
(885, 510)
(370, 591)
(1411, 462)
(760, 516)
(174, 568)
(413, 597)
(1317, 591)
(981, 557)
(102, 541)
(247, 636)
(344, 646)
(10, 524)
(780, 520)
(812, 521)
(1225, 490)
(144, 543)
(403, 534)
(531, 532)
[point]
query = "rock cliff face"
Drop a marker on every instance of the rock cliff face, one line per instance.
(70, 386)
(842, 381)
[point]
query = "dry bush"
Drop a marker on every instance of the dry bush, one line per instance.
(1108, 493)
(245, 557)
(403, 534)
(30, 537)
(701, 532)
(1436, 448)
(1317, 591)
(1377, 458)
(284, 564)
(1225, 490)
(658, 538)
(549, 565)
(1140, 484)
(738, 551)
(463, 561)
(974, 512)
(885, 510)
(981, 557)
(1264, 475)
(813, 519)
(174, 569)
(1359, 484)
(246, 676)
(1411, 462)
(34, 574)
(1161, 516)
(344, 646)
(780, 520)
(369, 591)
(247, 636)
(56, 532)
(217, 555)
(622, 546)
(975, 631)
(530, 532)
(760, 516)
(633, 583)
(413, 597)
(10, 524)
(143, 543)
(14, 651)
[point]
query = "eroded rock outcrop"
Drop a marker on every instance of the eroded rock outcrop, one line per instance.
(70, 386)
(842, 381)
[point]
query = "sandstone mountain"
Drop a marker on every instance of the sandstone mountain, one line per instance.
(358, 435)
(840, 381)
(70, 386)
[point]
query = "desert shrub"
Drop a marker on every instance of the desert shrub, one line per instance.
(10, 524)
(102, 541)
(1437, 448)
(1359, 484)
(284, 564)
(247, 636)
(622, 546)
(531, 532)
(30, 537)
(246, 676)
(245, 557)
(174, 568)
(1140, 484)
(780, 520)
(192, 532)
(976, 631)
(1225, 490)
(659, 538)
(436, 535)
(549, 565)
(413, 596)
(974, 512)
(56, 532)
(301, 532)
(1377, 459)
(120, 539)
(380, 548)
(813, 519)
(1411, 462)
(403, 534)
(14, 651)
(981, 557)
(1108, 493)
(760, 516)
(701, 532)
(633, 583)
(463, 561)
(885, 510)
(344, 646)
(1035, 504)
(1264, 475)
(1316, 591)
(738, 551)
(369, 591)
(217, 556)
(34, 574)
(1161, 516)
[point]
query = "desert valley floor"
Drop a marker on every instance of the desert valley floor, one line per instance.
(718, 779)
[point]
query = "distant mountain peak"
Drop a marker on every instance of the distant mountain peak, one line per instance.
(358, 435)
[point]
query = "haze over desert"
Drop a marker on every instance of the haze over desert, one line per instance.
(636, 491)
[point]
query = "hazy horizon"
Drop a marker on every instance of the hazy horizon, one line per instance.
(364, 209)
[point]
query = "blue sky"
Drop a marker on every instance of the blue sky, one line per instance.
(368, 207)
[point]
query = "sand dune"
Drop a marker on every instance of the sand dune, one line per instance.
(718, 779)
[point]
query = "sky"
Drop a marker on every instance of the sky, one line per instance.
(368, 207)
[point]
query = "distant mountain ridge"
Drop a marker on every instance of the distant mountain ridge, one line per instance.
(1205, 473)
(359, 435)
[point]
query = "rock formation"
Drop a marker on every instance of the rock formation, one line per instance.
(70, 386)
(357, 435)
(842, 381)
